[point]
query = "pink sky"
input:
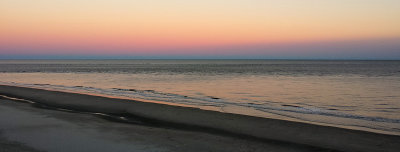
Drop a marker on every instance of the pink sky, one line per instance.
(287, 28)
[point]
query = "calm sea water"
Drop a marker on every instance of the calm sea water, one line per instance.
(362, 95)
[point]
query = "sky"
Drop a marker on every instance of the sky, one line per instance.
(270, 29)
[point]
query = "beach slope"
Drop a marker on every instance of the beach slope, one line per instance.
(212, 121)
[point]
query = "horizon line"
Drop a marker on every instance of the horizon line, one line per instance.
(188, 58)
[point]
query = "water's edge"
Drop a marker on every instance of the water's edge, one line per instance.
(276, 111)
(264, 128)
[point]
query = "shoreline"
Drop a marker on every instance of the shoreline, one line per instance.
(29, 128)
(213, 121)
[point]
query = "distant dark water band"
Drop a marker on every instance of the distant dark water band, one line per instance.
(208, 67)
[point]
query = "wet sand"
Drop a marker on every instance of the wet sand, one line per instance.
(190, 128)
(25, 128)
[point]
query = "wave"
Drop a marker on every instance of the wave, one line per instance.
(264, 106)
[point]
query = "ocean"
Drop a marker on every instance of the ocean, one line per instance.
(355, 94)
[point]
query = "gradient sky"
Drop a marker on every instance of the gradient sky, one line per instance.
(343, 29)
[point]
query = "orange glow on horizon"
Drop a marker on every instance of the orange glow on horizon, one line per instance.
(129, 25)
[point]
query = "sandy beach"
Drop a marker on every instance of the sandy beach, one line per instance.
(31, 129)
(25, 128)
(50, 125)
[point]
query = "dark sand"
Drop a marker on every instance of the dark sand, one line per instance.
(170, 128)
(25, 128)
